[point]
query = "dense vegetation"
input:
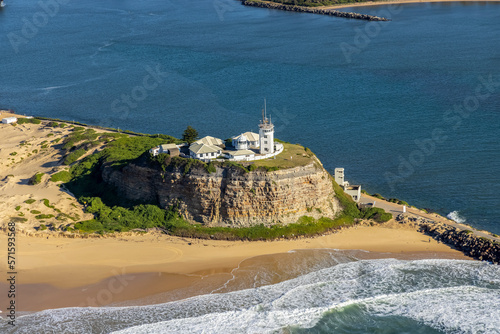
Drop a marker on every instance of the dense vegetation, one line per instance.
(114, 215)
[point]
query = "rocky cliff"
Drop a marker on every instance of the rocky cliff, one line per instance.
(231, 196)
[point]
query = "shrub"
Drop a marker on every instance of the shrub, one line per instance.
(50, 134)
(73, 156)
(35, 212)
(63, 176)
(210, 167)
(18, 208)
(46, 202)
(36, 179)
(42, 227)
(44, 216)
(13, 153)
(30, 201)
(377, 214)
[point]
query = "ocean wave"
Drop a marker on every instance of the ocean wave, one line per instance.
(455, 216)
(453, 296)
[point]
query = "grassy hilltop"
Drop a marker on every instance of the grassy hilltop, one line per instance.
(86, 151)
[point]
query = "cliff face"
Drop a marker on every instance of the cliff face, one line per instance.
(231, 197)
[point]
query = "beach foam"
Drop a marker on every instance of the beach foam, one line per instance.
(443, 295)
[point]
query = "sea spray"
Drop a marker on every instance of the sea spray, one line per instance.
(455, 216)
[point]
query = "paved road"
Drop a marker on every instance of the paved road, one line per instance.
(397, 209)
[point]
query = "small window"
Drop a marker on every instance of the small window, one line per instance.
(265, 141)
(265, 136)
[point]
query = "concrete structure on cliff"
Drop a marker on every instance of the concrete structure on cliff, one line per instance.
(353, 190)
(248, 146)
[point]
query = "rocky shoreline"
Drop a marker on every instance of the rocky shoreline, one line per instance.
(466, 241)
(302, 9)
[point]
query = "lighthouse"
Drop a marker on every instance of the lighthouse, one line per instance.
(266, 133)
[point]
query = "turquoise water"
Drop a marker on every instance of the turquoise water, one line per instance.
(218, 60)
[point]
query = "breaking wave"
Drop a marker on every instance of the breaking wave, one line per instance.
(366, 296)
(455, 216)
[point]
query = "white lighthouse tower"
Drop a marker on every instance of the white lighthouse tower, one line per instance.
(266, 133)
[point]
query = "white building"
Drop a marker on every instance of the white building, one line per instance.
(266, 135)
(204, 152)
(9, 120)
(240, 155)
(171, 149)
(246, 140)
(353, 190)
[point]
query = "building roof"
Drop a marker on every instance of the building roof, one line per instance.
(241, 152)
(166, 147)
(248, 136)
(252, 136)
(209, 140)
(198, 148)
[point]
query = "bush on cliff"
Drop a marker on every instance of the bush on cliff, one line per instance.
(119, 219)
(350, 207)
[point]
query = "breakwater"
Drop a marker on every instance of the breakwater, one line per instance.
(321, 11)
(466, 241)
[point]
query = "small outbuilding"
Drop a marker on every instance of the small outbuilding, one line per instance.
(9, 120)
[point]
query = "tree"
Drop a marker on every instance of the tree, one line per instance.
(189, 135)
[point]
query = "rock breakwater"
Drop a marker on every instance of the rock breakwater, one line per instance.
(313, 10)
(466, 241)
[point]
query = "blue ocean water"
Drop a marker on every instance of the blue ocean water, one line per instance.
(409, 107)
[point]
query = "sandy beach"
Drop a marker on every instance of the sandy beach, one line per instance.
(131, 268)
(60, 272)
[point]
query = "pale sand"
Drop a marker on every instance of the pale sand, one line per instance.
(61, 272)
(18, 163)
(395, 2)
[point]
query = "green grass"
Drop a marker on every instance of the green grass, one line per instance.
(64, 176)
(293, 155)
(35, 212)
(28, 120)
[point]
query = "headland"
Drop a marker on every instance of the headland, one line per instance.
(68, 260)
